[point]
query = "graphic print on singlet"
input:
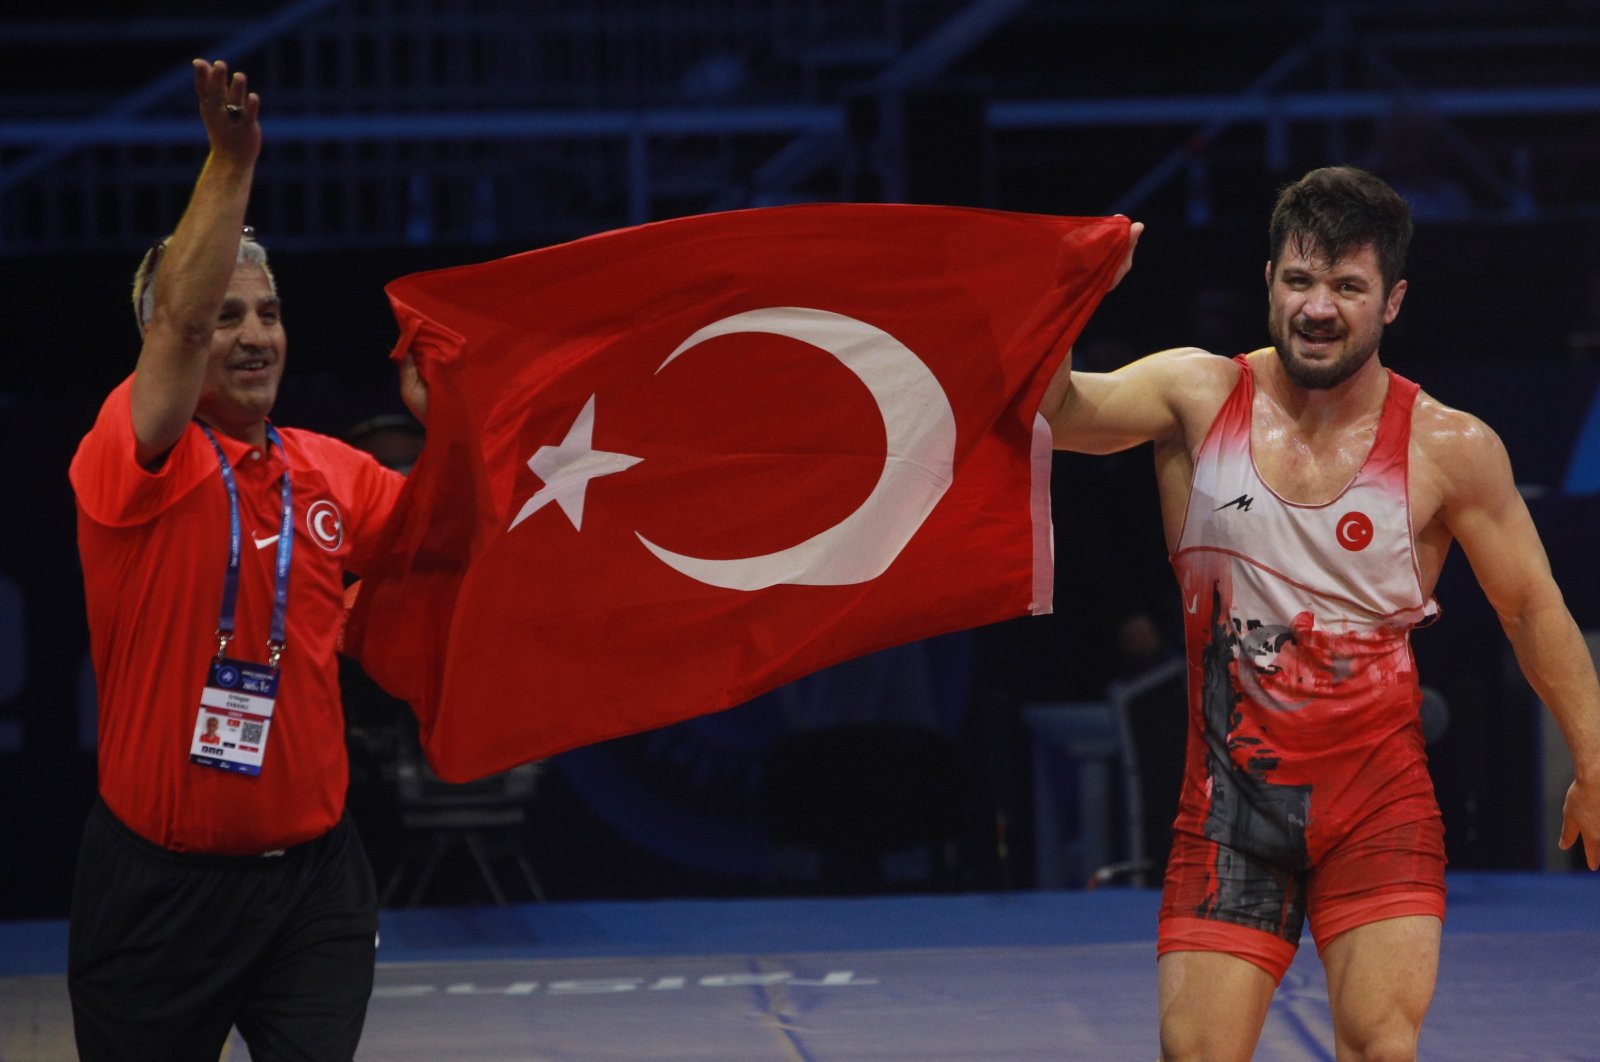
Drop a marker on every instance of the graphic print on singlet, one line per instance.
(1249, 813)
(1303, 694)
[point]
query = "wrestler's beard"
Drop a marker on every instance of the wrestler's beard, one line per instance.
(1321, 377)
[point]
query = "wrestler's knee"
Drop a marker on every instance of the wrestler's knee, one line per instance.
(1387, 1036)
(1397, 1045)
(1202, 1054)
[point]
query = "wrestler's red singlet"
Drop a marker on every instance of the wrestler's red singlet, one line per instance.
(1306, 783)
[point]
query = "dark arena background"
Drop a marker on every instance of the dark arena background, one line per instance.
(1032, 760)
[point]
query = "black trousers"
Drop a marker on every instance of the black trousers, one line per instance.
(168, 950)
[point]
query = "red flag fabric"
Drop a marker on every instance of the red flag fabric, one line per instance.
(672, 467)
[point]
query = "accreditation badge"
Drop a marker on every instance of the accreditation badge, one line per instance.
(230, 733)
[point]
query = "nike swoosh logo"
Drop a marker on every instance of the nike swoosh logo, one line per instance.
(1194, 604)
(262, 543)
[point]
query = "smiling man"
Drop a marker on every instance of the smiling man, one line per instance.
(219, 882)
(1309, 497)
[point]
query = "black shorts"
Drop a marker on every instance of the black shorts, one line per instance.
(169, 950)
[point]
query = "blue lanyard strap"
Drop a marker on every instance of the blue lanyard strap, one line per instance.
(230, 582)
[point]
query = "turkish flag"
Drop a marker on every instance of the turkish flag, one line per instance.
(675, 466)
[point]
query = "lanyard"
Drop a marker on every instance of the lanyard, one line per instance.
(230, 583)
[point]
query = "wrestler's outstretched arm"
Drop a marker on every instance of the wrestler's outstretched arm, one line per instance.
(1481, 507)
(1155, 398)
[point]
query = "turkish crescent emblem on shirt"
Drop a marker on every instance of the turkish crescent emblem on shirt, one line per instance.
(919, 427)
(1355, 531)
(325, 525)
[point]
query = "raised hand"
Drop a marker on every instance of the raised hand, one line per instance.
(1135, 230)
(229, 111)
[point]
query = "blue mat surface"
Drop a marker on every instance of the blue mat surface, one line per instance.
(1064, 975)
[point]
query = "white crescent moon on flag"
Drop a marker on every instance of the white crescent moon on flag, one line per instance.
(919, 426)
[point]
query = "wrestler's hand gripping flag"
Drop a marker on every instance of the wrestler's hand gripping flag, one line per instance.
(672, 467)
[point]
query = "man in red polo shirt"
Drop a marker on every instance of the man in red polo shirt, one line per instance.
(219, 882)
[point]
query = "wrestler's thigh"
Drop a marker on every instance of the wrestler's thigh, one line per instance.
(1379, 871)
(1380, 982)
(1212, 1006)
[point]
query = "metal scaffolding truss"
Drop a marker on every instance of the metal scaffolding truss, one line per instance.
(516, 123)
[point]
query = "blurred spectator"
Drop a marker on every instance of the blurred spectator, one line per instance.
(395, 439)
(376, 724)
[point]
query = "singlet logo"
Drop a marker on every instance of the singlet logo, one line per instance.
(325, 525)
(1243, 501)
(1355, 531)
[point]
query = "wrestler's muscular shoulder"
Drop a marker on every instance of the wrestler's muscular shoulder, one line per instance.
(1197, 383)
(1456, 462)
(1168, 398)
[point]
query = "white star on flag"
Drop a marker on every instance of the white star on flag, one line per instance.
(567, 469)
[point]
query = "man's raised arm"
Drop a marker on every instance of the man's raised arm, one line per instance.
(196, 264)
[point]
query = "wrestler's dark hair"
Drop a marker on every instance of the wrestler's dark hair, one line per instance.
(1337, 210)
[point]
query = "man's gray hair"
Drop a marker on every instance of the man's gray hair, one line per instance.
(144, 279)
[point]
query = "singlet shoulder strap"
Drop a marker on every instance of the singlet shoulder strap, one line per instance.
(1234, 414)
(1394, 423)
